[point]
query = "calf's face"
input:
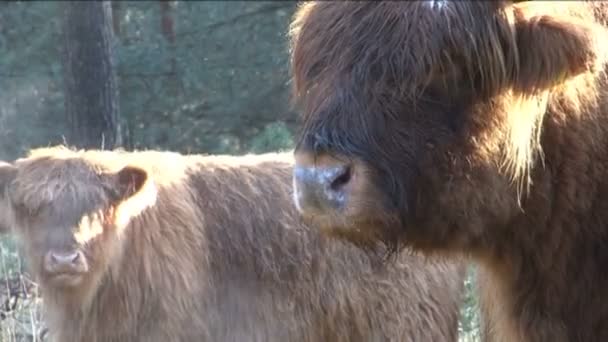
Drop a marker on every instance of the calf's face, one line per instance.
(69, 217)
(417, 117)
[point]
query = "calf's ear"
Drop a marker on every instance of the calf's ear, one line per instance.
(8, 172)
(131, 191)
(554, 46)
(128, 182)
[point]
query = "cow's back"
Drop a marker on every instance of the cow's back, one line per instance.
(223, 256)
(281, 275)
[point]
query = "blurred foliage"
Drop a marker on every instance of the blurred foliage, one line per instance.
(469, 314)
(31, 100)
(275, 136)
(217, 83)
(212, 87)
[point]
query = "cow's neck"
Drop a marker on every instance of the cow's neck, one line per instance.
(549, 268)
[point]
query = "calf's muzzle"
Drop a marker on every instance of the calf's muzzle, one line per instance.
(65, 262)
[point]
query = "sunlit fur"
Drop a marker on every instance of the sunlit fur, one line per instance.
(481, 129)
(212, 250)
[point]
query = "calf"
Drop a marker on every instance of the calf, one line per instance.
(158, 246)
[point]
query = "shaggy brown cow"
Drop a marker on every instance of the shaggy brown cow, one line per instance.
(157, 246)
(475, 127)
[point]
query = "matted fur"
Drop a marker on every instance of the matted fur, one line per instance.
(210, 249)
(481, 127)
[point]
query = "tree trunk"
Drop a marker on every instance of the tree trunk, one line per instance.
(116, 22)
(167, 26)
(91, 93)
(167, 21)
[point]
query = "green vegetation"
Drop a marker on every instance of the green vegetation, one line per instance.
(469, 313)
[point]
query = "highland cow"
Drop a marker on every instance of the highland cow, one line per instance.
(158, 246)
(475, 128)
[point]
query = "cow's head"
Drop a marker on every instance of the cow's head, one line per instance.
(70, 216)
(421, 119)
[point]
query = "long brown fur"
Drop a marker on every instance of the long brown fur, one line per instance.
(209, 248)
(482, 129)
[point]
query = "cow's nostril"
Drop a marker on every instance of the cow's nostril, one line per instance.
(343, 176)
(321, 188)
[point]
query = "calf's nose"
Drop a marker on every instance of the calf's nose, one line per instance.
(320, 188)
(65, 262)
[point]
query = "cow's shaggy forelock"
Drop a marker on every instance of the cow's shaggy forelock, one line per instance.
(405, 49)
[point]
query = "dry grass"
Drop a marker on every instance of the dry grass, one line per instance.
(20, 304)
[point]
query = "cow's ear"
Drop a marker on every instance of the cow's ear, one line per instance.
(8, 172)
(132, 191)
(554, 46)
(128, 182)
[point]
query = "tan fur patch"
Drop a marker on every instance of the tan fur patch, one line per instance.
(219, 254)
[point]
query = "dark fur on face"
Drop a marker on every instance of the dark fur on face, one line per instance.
(455, 119)
(423, 96)
(385, 49)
